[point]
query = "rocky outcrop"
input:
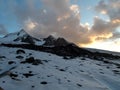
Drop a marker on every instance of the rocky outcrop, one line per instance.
(61, 42)
(49, 41)
(69, 50)
(1, 88)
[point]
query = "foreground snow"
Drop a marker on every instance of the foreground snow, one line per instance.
(56, 73)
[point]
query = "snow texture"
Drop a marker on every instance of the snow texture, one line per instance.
(55, 73)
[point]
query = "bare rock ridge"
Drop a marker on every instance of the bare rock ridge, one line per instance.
(51, 41)
(61, 42)
(23, 36)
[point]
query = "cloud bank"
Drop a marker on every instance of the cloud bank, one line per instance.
(111, 8)
(59, 18)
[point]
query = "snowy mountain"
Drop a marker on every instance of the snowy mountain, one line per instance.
(27, 63)
(20, 37)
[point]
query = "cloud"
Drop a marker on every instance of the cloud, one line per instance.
(3, 30)
(101, 7)
(101, 30)
(56, 17)
(110, 8)
(42, 18)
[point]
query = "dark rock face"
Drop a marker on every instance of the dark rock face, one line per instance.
(61, 42)
(13, 75)
(43, 82)
(1, 88)
(49, 41)
(28, 39)
(28, 75)
(70, 50)
(11, 62)
(32, 61)
(25, 37)
(2, 57)
(19, 57)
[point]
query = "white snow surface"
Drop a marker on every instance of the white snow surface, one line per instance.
(58, 73)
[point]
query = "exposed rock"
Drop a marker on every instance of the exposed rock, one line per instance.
(2, 57)
(32, 86)
(61, 69)
(11, 62)
(106, 61)
(50, 40)
(32, 61)
(28, 74)
(1, 88)
(12, 75)
(19, 57)
(43, 82)
(20, 51)
(69, 50)
(116, 71)
(28, 39)
(61, 42)
(23, 36)
(79, 85)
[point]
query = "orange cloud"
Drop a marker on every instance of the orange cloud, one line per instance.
(103, 12)
(29, 24)
(116, 21)
(96, 38)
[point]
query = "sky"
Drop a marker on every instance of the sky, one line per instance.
(88, 23)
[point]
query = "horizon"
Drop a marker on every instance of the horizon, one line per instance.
(89, 24)
(70, 42)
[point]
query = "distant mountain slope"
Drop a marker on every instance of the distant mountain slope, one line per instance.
(23, 69)
(52, 63)
(103, 51)
(58, 46)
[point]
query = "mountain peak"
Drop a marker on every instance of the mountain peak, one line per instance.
(50, 37)
(23, 36)
(22, 32)
(61, 42)
(19, 37)
(50, 40)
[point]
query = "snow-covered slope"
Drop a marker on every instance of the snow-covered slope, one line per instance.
(27, 63)
(33, 70)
